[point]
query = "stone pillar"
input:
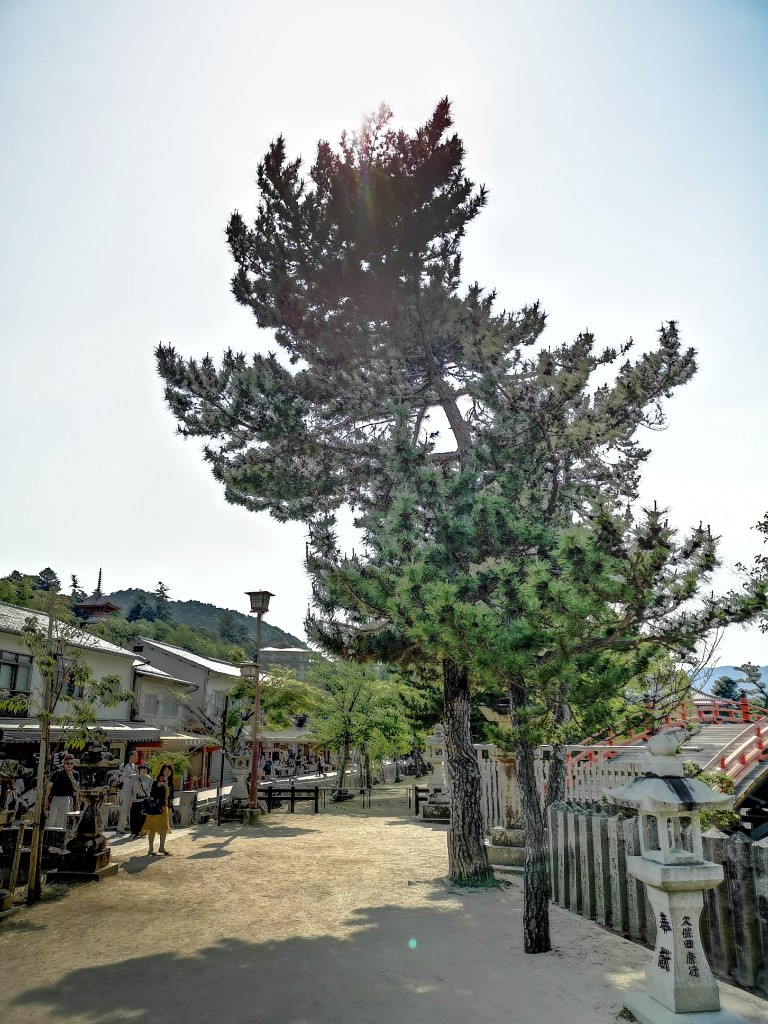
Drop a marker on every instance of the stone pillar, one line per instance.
(575, 894)
(510, 792)
(438, 805)
(602, 869)
(617, 859)
(717, 904)
(586, 850)
(635, 894)
(675, 874)
(552, 838)
(563, 872)
(746, 932)
(760, 864)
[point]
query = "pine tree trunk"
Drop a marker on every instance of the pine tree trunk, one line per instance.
(467, 858)
(536, 883)
(556, 777)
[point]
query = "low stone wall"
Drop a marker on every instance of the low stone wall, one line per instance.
(588, 849)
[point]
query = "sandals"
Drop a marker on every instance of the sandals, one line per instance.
(166, 853)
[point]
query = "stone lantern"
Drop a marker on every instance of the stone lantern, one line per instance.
(672, 866)
(88, 850)
(437, 807)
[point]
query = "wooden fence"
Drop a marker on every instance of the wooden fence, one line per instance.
(588, 848)
(586, 778)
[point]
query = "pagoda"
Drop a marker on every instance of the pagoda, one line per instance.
(95, 607)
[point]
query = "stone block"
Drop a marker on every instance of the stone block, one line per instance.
(506, 856)
(435, 812)
(508, 837)
(648, 1011)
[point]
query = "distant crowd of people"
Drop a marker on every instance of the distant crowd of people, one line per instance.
(293, 766)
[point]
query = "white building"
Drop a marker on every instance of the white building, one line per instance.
(19, 676)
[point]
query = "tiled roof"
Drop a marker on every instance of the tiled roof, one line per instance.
(211, 664)
(151, 672)
(12, 620)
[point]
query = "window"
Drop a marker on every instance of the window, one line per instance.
(70, 688)
(216, 704)
(16, 677)
(151, 703)
(169, 708)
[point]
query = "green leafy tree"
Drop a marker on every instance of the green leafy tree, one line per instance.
(726, 688)
(356, 708)
(756, 687)
(141, 609)
(47, 579)
(232, 631)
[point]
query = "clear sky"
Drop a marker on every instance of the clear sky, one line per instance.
(625, 147)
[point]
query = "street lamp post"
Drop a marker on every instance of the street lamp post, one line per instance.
(252, 670)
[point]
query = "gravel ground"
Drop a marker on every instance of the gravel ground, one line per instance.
(339, 918)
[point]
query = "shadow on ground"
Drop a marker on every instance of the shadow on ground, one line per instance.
(396, 966)
(453, 960)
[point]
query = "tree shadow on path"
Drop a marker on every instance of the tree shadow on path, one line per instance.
(452, 963)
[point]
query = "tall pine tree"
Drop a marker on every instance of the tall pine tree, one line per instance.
(357, 270)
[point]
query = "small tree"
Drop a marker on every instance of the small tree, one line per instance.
(162, 609)
(355, 706)
(70, 700)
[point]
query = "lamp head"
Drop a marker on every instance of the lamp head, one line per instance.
(259, 600)
(249, 669)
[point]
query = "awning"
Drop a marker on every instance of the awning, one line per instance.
(27, 730)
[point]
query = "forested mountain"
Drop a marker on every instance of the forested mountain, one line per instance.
(232, 626)
(193, 625)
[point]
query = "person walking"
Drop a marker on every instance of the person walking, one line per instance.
(62, 794)
(159, 823)
(320, 766)
(128, 775)
(140, 790)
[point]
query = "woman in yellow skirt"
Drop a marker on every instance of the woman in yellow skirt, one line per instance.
(161, 796)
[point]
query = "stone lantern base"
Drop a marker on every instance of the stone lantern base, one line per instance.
(437, 808)
(506, 850)
(648, 1010)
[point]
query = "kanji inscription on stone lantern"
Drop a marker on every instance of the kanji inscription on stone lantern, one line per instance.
(672, 866)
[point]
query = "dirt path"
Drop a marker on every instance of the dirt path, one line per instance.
(339, 918)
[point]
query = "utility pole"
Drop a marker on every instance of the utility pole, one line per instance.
(223, 748)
